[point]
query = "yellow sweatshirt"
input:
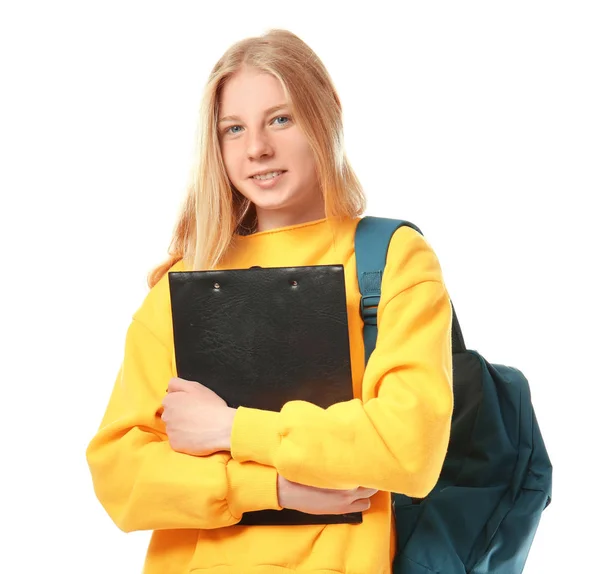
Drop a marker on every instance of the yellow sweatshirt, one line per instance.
(392, 436)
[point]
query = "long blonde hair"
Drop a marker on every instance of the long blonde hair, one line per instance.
(213, 210)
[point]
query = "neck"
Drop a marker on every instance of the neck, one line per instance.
(275, 219)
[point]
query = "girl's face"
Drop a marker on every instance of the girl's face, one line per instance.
(258, 135)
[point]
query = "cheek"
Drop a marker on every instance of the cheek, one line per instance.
(229, 160)
(301, 153)
(308, 162)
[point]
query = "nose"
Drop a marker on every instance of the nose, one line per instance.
(259, 145)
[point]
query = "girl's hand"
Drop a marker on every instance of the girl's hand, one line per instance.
(313, 500)
(197, 420)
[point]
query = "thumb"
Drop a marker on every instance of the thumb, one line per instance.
(177, 384)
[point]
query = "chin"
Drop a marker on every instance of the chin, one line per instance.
(269, 200)
(271, 206)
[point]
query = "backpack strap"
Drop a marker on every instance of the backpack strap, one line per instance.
(371, 243)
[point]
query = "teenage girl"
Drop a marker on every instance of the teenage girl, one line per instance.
(273, 187)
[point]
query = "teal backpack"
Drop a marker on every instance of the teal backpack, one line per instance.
(483, 513)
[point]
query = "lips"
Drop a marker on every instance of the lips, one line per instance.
(269, 182)
(265, 172)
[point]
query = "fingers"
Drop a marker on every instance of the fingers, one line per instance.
(178, 384)
(362, 492)
(356, 499)
(360, 505)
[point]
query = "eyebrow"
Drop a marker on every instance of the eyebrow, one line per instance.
(267, 112)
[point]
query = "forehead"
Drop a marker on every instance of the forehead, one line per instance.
(250, 91)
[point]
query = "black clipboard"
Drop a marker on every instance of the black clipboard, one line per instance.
(261, 337)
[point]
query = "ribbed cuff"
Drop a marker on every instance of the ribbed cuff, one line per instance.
(251, 487)
(255, 436)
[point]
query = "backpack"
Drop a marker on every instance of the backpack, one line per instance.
(495, 482)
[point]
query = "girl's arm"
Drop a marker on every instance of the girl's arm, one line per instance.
(394, 437)
(140, 480)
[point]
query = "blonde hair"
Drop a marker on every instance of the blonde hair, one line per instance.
(213, 210)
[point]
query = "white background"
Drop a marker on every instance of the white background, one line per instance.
(479, 121)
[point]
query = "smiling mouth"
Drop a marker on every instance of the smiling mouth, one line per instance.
(267, 176)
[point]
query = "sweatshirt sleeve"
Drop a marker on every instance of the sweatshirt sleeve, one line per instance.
(140, 480)
(395, 436)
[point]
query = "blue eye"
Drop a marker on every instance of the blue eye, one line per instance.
(279, 120)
